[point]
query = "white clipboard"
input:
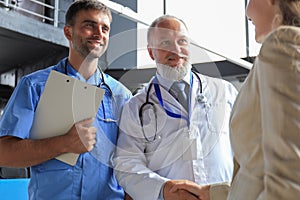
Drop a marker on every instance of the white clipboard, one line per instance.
(65, 101)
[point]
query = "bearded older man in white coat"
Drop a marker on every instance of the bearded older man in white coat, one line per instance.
(164, 142)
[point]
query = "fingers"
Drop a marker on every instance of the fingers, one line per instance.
(88, 137)
(183, 194)
(178, 185)
(185, 185)
(91, 138)
(202, 192)
(178, 194)
(87, 133)
(82, 136)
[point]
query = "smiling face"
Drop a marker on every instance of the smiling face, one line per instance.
(169, 43)
(89, 35)
(262, 13)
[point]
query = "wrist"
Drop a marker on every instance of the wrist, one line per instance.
(62, 144)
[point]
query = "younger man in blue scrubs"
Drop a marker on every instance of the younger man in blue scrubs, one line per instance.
(87, 30)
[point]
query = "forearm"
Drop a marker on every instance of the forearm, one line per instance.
(16, 152)
(141, 185)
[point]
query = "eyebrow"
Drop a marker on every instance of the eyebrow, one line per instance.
(88, 21)
(94, 22)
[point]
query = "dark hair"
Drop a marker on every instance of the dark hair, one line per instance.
(162, 18)
(79, 5)
(290, 11)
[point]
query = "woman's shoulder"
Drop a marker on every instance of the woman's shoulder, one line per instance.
(284, 33)
(281, 47)
(284, 37)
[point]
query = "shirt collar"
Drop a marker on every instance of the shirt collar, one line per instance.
(95, 79)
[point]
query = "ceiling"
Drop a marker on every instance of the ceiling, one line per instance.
(18, 50)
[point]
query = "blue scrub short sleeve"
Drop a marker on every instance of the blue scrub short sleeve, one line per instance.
(18, 114)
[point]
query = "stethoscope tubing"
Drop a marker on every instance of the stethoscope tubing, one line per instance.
(147, 102)
(102, 83)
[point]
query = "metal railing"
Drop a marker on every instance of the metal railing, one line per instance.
(45, 12)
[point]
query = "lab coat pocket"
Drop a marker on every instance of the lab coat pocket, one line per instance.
(217, 123)
(217, 115)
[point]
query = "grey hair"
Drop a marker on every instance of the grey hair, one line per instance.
(159, 19)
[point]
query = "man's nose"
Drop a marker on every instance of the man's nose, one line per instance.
(98, 31)
(175, 48)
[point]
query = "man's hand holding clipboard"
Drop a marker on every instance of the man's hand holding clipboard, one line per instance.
(67, 107)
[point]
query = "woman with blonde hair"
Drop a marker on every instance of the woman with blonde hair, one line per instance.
(265, 120)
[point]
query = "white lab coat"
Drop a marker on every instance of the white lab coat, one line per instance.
(201, 153)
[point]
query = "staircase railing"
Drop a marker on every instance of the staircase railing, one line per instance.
(48, 13)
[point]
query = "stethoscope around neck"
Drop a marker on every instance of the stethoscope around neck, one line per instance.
(102, 85)
(200, 98)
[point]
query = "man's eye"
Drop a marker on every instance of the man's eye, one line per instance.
(105, 29)
(183, 41)
(165, 43)
(90, 25)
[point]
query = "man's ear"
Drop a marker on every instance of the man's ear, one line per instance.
(68, 32)
(150, 52)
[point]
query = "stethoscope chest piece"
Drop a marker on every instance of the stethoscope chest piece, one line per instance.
(200, 98)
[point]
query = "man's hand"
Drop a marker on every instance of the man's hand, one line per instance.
(82, 136)
(201, 192)
(177, 193)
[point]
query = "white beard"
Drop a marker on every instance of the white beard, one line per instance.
(173, 73)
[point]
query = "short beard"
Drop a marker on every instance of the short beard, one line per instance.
(173, 73)
(85, 52)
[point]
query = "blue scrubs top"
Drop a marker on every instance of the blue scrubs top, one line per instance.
(92, 177)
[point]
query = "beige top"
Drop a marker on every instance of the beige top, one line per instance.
(265, 122)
